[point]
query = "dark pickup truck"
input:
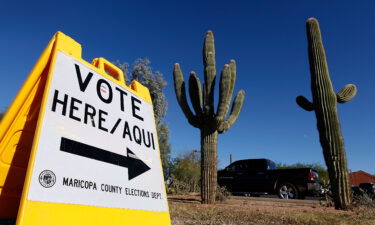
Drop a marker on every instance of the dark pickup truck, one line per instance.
(259, 176)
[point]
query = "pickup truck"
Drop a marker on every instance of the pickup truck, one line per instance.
(260, 176)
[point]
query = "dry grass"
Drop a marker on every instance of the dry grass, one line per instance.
(187, 210)
(240, 211)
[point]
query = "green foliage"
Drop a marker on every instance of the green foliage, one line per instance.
(165, 149)
(141, 71)
(322, 170)
(1, 116)
(186, 172)
(185, 177)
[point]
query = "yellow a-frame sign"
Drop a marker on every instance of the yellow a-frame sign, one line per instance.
(78, 146)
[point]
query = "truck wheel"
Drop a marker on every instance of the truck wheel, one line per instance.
(287, 190)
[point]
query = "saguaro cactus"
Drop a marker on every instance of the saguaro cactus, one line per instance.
(205, 118)
(325, 106)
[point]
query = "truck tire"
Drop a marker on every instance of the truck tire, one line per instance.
(287, 190)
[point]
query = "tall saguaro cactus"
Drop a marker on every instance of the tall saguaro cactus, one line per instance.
(205, 118)
(325, 106)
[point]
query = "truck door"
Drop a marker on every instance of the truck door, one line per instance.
(242, 177)
(257, 176)
(234, 177)
(226, 177)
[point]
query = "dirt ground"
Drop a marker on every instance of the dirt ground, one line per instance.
(258, 211)
(187, 210)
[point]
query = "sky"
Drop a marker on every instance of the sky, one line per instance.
(266, 38)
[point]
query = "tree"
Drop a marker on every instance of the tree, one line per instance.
(209, 122)
(142, 72)
(165, 149)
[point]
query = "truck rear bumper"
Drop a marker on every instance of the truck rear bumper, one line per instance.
(309, 189)
(314, 188)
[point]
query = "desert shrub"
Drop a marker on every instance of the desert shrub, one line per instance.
(176, 186)
(364, 204)
(222, 193)
(364, 200)
(326, 197)
(185, 173)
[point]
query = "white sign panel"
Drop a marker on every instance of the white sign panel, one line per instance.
(98, 144)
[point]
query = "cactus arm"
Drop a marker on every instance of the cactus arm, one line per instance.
(179, 87)
(304, 103)
(195, 91)
(233, 74)
(209, 73)
(235, 112)
(224, 88)
(347, 93)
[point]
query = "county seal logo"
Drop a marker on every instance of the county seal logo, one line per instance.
(47, 178)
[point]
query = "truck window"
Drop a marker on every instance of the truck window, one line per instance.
(242, 166)
(256, 165)
(237, 166)
(271, 165)
(231, 168)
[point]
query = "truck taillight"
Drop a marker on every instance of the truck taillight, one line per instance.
(311, 176)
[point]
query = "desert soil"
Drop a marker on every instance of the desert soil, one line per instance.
(187, 209)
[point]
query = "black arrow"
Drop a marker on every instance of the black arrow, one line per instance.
(135, 166)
